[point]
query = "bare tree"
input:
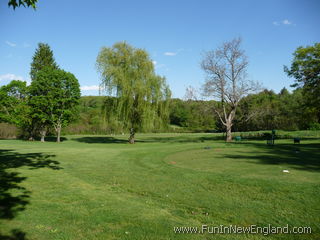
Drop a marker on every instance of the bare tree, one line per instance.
(227, 80)
(191, 94)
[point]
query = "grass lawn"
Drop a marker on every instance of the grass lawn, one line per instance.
(98, 187)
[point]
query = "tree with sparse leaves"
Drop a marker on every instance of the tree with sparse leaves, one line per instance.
(227, 81)
(141, 101)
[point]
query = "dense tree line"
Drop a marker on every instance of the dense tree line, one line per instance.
(265, 110)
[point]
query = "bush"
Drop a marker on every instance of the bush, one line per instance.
(7, 131)
(314, 126)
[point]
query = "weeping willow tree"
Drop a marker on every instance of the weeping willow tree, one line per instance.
(140, 97)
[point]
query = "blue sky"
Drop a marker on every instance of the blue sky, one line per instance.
(175, 33)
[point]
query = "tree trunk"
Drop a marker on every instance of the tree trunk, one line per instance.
(228, 132)
(58, 133)
(131, 138)
(43, 134)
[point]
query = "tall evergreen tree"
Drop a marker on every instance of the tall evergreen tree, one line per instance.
(43, 57)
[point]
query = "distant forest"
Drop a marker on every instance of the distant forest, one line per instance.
(262, 111)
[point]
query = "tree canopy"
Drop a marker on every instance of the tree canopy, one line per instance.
(12, 102)
(141, 96)
(305, 68)
(25, 3)
(54, 97)
(43, 57)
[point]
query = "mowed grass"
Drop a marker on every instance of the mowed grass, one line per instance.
(100, 187)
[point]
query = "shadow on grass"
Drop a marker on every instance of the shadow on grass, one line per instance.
(177, 139)
(298, 156)
(14, 197)
(53, 139)
(100, 140)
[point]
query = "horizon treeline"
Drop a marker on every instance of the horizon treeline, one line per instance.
(265, 110)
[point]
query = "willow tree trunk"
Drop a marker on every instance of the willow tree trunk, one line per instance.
(43, 134)
(131, 138)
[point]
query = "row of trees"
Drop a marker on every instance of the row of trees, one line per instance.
(49, 103)
(139, 100)
(260, 111)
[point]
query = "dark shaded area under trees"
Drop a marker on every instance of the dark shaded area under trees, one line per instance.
(13, 196)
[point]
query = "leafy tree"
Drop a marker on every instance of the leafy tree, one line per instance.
(12, 101)
(227, 81)
(25, 3)
(54, 97)
(305, 68)
(141, 101)
(43, 57)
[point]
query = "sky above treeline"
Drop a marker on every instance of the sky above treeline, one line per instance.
(174, 33)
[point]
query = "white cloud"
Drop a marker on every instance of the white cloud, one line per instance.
(283, 22)
(90, 88)
(170, 53)
(154, 63)
(10, 77)
(286, 22)
(11, 44)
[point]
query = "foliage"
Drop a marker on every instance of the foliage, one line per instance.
(141, 101)
(268, 110)
(192, 115)
(54, 97)
(315, 126)
(43, 57)
(13, 97)
(305, 68)
(25, 3)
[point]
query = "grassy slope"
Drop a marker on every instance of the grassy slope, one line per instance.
(95, 187)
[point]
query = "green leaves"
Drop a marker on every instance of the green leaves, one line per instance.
(54, 96)
(141, 96)
(25, 3)
(305, 68)
(43, 57)
(13, 98)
